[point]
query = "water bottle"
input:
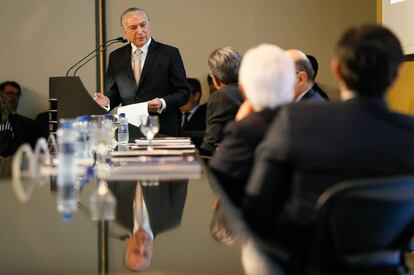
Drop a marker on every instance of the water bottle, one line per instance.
(67, 195)
(123, 134)
(84, 150)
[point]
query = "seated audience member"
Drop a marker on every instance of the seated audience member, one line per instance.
(311, 147)
(266, 78)
(194, 114)
(22, 127)
(315, 67)
(222, 106)
(305, 76)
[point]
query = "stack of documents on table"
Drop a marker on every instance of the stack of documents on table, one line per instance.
(165, 141)
(168, 167)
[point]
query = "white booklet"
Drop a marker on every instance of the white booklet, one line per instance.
(134, 112)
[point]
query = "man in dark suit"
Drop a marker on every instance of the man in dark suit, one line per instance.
(305, 76)
(146, 71)
(194, 114)
(222, 106)
(233, 160)
(21, 129)
(300, 157)
(161, 209)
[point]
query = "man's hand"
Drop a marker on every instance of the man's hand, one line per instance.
(101, 99)
(154, 105)
(245, 109)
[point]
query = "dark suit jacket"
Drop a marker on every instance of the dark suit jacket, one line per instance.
(163, 76)
(311, 147)
(233, 160)
(222, 107)
(23, 132)
(165, 204)
(197, 123)
(313, 95)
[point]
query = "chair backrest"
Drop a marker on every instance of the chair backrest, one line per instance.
(363, 224)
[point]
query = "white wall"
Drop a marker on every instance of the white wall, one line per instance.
(398, 15)
(197, 27)
(42, 38)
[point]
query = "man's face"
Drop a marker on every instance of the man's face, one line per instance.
(13, 95)
(138, 253)
(136, 28)
(191, 103)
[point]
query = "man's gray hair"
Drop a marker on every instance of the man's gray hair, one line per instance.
(306, 66)
(267, 76)
(224, 64)
(133, 10)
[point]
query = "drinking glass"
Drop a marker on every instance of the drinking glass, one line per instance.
(149, 127)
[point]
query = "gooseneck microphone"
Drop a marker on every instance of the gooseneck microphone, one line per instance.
(91, 55)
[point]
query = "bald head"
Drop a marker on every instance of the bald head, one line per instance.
(304, 71)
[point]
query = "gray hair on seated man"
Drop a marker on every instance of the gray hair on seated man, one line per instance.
(267, 77)
(223, 65)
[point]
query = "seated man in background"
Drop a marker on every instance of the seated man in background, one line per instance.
(267, 78)
(301, 157)
(222, 106)
(305, 76)
(6, 138)
(194, 114)
(21, 126)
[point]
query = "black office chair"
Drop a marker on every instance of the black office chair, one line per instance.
(364, 227)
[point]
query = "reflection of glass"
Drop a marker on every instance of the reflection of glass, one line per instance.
(102, 203)
(150, 127)
(23, 172)
(43, 162)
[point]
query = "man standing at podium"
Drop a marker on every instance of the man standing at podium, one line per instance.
(146, 71)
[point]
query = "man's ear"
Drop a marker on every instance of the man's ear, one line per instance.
(216, 82)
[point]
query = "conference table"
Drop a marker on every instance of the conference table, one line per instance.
(34, 239)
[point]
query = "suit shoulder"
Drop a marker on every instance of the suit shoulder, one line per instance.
(120, 51)
(23, 119)
(164, 46)
(257, 123)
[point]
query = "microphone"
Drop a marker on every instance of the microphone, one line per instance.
(99, 49)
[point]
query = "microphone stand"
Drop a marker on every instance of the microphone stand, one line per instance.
(119, 39)
(93, 56)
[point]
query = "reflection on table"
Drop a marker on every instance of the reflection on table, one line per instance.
(146, 209)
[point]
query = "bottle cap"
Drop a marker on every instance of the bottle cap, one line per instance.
(66, 125)
(108, 117)
(83, 118)
(67, 216)
(122, 115)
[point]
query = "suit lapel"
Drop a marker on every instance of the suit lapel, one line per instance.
(149, 60)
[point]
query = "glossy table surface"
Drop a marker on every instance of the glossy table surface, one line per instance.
(35, 240)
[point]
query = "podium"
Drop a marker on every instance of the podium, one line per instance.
(68, 98)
